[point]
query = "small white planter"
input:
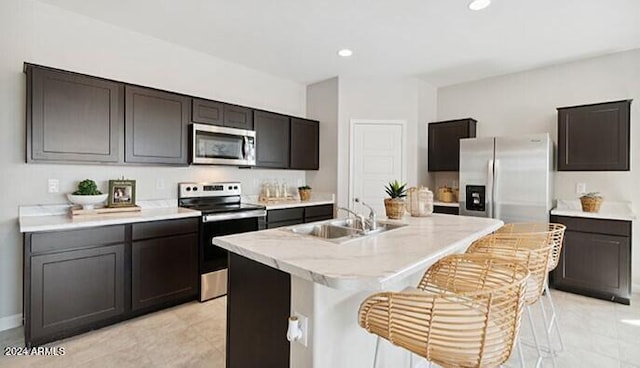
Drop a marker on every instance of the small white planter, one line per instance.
(87, 201)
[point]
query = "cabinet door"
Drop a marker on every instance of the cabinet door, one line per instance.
(594, 137)
(71, 117)
(156, 126)
(75, 289)
(238, 117)
(207, 112)
(305, 142)
(595, 265)
(444, 143)
(272, 139)
(163, 270)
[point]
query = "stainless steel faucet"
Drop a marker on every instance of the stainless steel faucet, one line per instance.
(358, 217)
(371, 222)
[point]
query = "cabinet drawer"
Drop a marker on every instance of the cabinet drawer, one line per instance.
(599, 226)
(72, 239)
(446, 210)
(288, 214)
(156, 229)
(318, 211)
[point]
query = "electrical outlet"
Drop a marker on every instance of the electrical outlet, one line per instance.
(304, 326)
(53, 185)
(581, 188)
(160, 184)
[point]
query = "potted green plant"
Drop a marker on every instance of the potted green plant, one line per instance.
(394, 205)
(87, 195)
(305, 192)
(591, 202)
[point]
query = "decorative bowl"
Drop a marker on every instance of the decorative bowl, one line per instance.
(87, 201)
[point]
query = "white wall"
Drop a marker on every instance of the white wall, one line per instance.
(44, 34)
(384, 99)
(526, 103)
(322, 105)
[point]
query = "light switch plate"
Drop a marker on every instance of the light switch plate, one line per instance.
(581, 188)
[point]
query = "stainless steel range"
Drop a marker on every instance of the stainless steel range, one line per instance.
(223, 213)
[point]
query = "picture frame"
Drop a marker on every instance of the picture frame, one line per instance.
(122, 193)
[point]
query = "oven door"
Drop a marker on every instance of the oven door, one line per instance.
(212, 144)
(213, 259)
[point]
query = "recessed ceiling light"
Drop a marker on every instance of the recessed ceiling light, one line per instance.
(479, 4)
(345, 52)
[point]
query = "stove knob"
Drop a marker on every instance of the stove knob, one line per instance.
(230, 187)
(188, 189)
(195, 189)
(235, 187)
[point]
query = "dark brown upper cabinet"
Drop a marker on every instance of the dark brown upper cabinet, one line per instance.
(238, 117)
(218, 113)
(272, 139)
(594, 137)
(444, 143)
(305, 142)
(207, 112)
(156, 126)
(72, 117)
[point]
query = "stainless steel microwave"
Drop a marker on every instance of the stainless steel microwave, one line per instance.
(218, 145)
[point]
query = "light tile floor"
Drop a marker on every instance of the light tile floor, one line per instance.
(596, 334)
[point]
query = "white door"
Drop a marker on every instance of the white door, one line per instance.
(377, 157)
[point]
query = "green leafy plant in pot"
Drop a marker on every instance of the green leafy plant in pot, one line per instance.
(394, 205)
(87, 195)
(591, 202)
(305, 192)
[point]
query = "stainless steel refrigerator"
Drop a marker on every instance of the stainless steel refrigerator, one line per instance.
(507, 178)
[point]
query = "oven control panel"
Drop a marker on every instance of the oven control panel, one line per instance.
(190, 190)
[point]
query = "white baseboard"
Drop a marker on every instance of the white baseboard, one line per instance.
(9, 322)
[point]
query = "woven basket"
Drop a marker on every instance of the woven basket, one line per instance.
(305, 194)
(394, 208)
(591, 204)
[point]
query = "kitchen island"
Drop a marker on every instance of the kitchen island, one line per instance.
(276, 273)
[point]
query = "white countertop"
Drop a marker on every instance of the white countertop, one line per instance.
(316, 199)
(368, 263)
(446, 204)
(57, 217)
(608, 210)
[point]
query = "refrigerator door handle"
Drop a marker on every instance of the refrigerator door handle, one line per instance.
(496, 187)
(489, 193)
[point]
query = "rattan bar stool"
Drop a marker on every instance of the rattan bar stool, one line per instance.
(465, 312)
(532, 250)
(555, 234)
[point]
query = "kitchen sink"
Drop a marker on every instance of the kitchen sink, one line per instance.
(326, 231)
(341, 231)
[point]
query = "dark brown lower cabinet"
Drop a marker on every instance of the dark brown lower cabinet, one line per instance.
(164, 269)
(298, 215)
(75, 288)
(79, 280)
(595, 259)
(258, 307)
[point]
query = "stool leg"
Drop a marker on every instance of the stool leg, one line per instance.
(375, 355)
(554, 316)
(546, 332)
(520, 352)
(535, 336)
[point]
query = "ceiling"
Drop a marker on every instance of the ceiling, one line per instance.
(441, 41)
